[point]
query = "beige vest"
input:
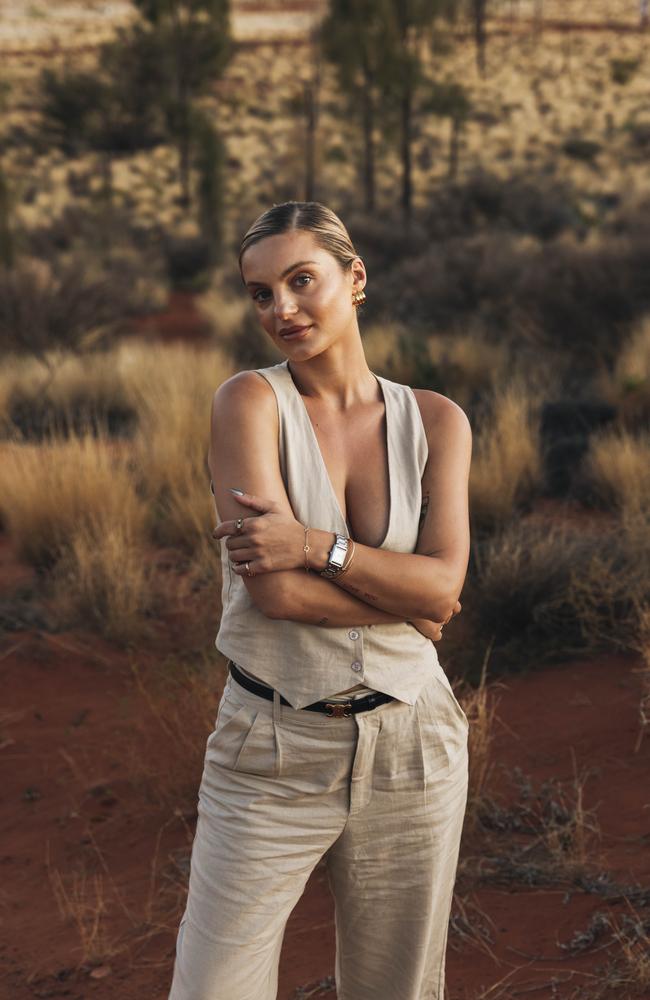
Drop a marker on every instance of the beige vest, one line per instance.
(308, 663)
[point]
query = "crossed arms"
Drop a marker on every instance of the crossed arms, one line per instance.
(381, 586)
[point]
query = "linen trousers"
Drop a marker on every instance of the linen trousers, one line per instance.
(380, 794)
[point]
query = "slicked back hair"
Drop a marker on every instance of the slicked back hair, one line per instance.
(329, 232)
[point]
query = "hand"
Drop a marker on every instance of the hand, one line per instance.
(433, 630)
(271, 539)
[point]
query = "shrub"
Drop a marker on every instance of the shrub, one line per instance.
(579, 148)
(80, 395)
(617, 469)
(41, 310)
(622, 70)
(189, 262)
(506, 469)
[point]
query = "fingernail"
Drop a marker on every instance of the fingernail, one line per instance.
(240, 492)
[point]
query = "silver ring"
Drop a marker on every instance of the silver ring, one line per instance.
(239, 525)
(248, 570)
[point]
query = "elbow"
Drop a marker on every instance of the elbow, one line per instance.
(443, 607)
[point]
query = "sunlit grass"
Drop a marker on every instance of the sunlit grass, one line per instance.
(507, 465)
(617, 469)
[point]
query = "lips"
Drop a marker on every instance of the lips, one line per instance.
(291, 332)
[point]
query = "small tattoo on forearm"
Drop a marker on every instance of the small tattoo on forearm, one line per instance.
(370, 597)
(323, 621)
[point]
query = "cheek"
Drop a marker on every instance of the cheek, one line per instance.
(333, 301)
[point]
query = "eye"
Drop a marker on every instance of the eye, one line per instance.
(256, 296)
(307, 276)
(260, 296)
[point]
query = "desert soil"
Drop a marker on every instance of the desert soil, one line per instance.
(72, 810)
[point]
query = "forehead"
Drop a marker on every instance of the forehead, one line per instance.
(267, 259)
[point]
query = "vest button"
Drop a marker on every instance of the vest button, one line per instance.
(353, 634)
(356, 666)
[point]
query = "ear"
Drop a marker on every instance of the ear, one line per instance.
(359, 277)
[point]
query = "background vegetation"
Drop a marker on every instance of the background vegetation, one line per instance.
(490, 161)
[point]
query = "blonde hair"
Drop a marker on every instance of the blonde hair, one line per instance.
(329, 232)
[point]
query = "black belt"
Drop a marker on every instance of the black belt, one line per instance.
(336, 710)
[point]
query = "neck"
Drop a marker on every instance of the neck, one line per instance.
(337, 379)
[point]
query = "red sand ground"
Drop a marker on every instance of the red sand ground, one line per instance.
(68, 704)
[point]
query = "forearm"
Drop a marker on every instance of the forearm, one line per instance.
(310, 598)
(406, 585)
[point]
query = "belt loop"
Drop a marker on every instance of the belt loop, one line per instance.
(277, 706)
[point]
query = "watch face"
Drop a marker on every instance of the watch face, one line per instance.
(338, 552)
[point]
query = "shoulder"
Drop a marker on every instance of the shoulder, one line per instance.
(442, 417)
(245, 404)
(247, 393)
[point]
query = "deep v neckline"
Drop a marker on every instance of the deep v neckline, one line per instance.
(323, 467)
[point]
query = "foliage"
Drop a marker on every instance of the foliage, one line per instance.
(622, 70)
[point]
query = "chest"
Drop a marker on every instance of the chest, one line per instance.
(355, 462)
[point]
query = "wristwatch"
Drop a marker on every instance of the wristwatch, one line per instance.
(336, 557)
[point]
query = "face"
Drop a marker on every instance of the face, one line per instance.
(295, 283)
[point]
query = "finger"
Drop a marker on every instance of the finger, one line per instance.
(242, 554)
(234, 542)
(255, 502)
(255, 568)
(223, 529)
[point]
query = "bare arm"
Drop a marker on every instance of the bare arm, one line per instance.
(420, 585)
(427, 583)
(244, 454)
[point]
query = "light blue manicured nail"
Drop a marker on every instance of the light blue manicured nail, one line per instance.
(240, 492)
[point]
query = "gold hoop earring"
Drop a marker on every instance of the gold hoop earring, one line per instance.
(358, 297)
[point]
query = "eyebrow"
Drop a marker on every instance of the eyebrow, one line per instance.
(287, 270)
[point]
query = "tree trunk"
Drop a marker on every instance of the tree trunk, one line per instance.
(368, 148)
(407, 185)
(7, 255)
(184, 162)
(454, 146)
(480, 9)
(310, 142)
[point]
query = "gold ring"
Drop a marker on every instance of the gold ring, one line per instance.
(239, 525)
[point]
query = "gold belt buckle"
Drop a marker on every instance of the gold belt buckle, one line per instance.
(339, 710)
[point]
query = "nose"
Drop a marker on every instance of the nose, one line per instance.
(284, 307)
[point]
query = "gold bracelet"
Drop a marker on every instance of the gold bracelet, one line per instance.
(306, 547)
(346, 567)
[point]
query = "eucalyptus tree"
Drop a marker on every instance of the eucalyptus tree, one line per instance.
(478, 10)
(192, 42)
(411, 28)
(354, 38)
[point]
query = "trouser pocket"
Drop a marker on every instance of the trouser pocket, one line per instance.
(244, 739)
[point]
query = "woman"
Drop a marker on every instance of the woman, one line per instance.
(344, 525)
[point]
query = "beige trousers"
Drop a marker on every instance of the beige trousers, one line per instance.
(381, 795)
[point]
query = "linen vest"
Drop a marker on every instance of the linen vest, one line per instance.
(306, 662)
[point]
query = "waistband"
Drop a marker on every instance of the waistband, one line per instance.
(334, 709)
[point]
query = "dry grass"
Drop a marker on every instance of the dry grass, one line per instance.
(628, 386)
(106, 581)
(555, 836)
(507, 464)
(179, 701)
(609, 587)
(60, 387)
(90, 509)
(108, 926)
(627, 940)
(617, 469)
(479, 704)
(470, 366)
(172, 389)
(52, 490)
